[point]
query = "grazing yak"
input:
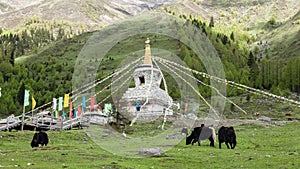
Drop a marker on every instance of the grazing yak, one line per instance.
(202, 133)
(40, 138)
(227, 135)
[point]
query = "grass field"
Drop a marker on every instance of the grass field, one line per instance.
(258, 146)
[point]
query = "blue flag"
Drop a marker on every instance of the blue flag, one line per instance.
(75, 114)
(83, 102)
(64, 115)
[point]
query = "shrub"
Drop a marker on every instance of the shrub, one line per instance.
(272, 21)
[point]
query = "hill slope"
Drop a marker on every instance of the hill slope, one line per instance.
(285, 38)
(89, 12)
(272, 25)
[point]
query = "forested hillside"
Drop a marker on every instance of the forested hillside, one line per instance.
(17, 45)
(262, 34)
(267, 29)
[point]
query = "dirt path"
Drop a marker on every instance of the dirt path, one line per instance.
(238, 122)
(263, 120)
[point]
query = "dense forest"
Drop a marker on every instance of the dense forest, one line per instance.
(31, 39)
(50, 51)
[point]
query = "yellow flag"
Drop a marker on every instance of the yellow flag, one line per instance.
(66, 100)
(33, 103)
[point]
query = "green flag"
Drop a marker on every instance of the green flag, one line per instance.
(26, 98)
(107, 109)
(60, 103)
(56, 114)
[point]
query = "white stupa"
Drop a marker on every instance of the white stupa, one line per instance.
(147, 91)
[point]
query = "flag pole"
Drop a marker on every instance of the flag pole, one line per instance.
(32, 111)
(61, 122)
(23, 114)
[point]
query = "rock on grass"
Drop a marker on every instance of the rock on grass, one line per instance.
(151, 152)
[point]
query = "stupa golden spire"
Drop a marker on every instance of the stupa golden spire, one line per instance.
(147, 58)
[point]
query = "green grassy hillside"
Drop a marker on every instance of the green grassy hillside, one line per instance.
(285, 39)
(272, 22)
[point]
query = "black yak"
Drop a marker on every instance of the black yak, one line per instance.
(40, 138)
(202, 133)
(227, 135)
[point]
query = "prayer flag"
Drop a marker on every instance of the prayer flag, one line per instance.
(75, 114)
(78, 111)
(92, 103)
(33, 103)
(186, 107)
(60, 102)
(54, 105)
(71, 114)
(107, 109)
(26, 98)
(56, 114)
(66, 100)
(83, 102)
(195, 107)
(178, 106)
(64, 115)
(128, 106)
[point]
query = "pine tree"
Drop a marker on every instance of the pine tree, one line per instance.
(211, 23)
(232, 36)
(12, 57)
(254, 69)
(224, 39)
(251, 60)
(21, 94)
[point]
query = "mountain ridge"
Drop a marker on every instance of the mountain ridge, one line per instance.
(89, 12)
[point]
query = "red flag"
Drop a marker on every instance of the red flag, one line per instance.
(71, 114)
(128, 106)
(78, 111)
(92, 103)
(186, 107)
